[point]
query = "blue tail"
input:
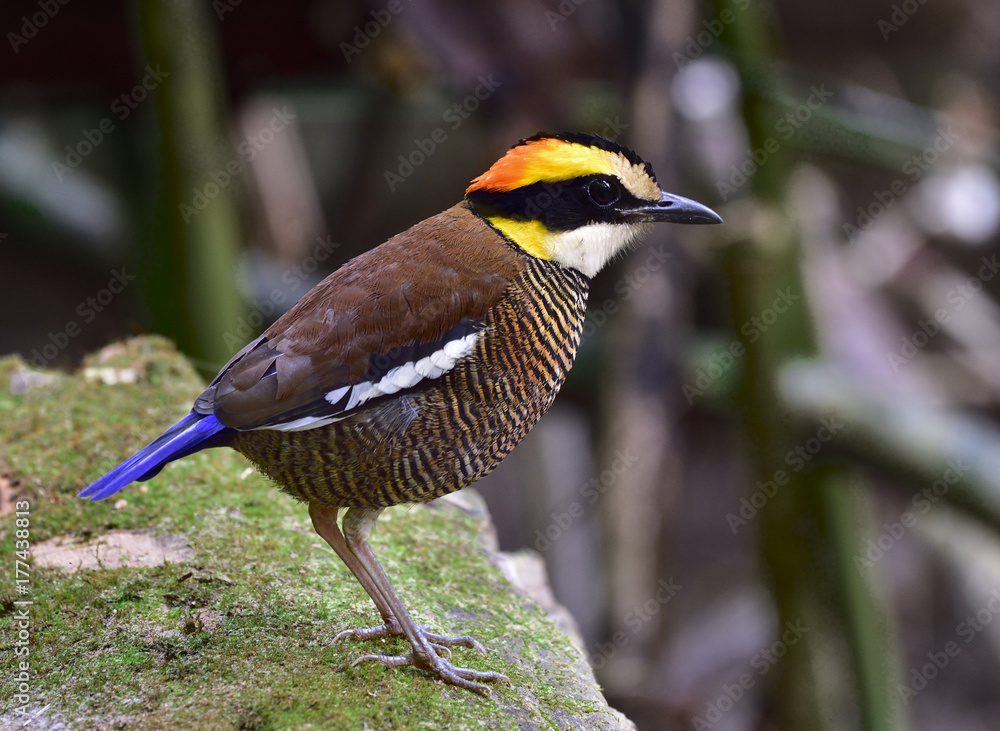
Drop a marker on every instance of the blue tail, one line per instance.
(192, 433)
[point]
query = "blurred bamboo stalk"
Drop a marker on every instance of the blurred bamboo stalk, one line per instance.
(843, 657)
(195, 237)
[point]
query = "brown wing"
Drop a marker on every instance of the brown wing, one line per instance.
(421, 288)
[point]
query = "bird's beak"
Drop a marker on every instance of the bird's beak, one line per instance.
(675, 209)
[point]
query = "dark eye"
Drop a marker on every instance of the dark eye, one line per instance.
(603, 192)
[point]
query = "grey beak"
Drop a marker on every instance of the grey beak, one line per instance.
(676, 209)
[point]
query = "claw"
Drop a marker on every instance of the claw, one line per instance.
(444, 670)
(435, 662)
(384, 630)
(369, 633)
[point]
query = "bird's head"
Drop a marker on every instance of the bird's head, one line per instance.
(576, 199)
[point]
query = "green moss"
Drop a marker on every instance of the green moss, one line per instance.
(240, 635)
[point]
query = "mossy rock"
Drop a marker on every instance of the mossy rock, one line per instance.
(212, 604)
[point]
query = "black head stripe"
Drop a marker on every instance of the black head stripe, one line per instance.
(561, 206)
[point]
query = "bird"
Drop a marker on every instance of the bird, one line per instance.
(412, 370)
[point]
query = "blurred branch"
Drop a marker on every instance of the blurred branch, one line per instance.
(918, 442)
(860, 125)
(844, 120)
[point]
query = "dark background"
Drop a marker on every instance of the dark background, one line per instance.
(851, 149)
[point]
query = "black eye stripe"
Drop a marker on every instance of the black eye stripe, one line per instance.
(562, 206)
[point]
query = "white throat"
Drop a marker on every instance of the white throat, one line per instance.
(589, 248)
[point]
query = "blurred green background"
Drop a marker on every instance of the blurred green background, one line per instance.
(769, 490)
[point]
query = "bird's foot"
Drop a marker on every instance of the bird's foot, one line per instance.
(434, 662)
(444, 670)
(389, 629)
(440, 643)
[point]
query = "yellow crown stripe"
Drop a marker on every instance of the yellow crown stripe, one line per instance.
(544, 161)
(560, 161)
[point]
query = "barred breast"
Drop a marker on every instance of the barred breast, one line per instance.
(418, 446)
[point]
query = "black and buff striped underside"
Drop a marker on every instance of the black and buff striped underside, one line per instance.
(447, 432)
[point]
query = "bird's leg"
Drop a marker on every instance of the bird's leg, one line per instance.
(325, 522)
(358, 524)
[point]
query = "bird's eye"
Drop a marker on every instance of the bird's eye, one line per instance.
(603, 192)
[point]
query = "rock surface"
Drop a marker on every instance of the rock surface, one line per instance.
(203, 599)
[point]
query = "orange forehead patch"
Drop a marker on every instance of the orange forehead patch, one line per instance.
(543, 161)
